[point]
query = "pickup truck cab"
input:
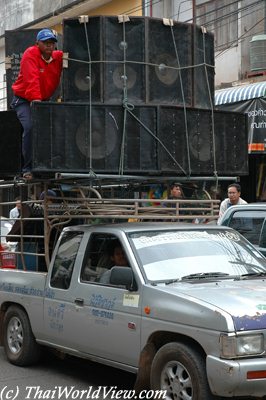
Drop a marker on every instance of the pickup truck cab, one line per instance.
(249, 220)
(187, 314)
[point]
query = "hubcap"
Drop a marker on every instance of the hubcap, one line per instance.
(176, 380)
(15, 335)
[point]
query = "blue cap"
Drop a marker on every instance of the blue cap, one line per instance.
(46, 34)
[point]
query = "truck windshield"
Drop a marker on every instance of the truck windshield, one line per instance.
(171, 255)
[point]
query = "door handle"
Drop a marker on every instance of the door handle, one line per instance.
(79, 302)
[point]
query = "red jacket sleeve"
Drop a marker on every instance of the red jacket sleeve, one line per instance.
(31, 75)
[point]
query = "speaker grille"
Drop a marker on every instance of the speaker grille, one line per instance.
(62, 134)
(10, 144)
(169, 48)
(83, 42)
(222, 152)
(203, 75)
(154, 140)
(124, 42)
(142, 61)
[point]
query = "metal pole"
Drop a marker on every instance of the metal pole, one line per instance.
(193, 49)
(194, 11)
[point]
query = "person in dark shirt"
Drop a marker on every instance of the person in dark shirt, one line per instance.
(176, 193)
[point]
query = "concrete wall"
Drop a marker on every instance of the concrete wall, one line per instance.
(227, 67)
(130, 7)
(47, 7)
(15, 13)
(179, 10)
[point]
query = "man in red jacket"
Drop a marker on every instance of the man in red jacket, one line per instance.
(39, 77)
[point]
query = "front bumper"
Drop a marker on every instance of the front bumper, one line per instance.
(228, 378)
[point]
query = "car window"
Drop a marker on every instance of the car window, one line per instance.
(65, 260)
(5, 227)
(262, 242)
(249, 224)
(97, 260)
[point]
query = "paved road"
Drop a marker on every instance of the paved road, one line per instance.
(52, 376)
(47, 379)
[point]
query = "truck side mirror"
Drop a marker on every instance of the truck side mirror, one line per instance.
(123, 276)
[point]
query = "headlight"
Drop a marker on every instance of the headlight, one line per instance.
(240, 346)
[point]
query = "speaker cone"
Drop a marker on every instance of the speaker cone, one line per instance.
(166, 75)
(103, 143)
(200, 147)
(82, 79)
(129, 76)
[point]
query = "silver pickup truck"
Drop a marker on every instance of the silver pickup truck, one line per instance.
(185, 312)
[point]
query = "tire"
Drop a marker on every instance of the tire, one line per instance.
(181, 371)
(19, 343)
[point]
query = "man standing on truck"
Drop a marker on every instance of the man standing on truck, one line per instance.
(39, 77)
(234, 192)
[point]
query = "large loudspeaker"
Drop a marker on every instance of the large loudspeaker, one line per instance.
(203, 72)
(97, 50)
(142, 60)
(83, 43)
(194, 147)
(124, 42)
(10, 144)
(169, 60)
(74, 137)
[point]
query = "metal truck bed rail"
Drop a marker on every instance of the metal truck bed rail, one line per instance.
(48, 217)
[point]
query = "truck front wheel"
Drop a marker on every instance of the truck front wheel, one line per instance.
(180, 371)
(19, 343)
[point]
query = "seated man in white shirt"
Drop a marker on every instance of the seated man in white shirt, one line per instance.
(234, 192)
(15, 212)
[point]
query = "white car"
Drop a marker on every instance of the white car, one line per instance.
(5, 226)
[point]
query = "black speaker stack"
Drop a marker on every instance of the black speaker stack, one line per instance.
(10, 144)
(78, 137)
(137, 99)
(157, 63)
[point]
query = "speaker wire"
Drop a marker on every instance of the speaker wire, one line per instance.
(171, 23)
(215, 173)
(85, 20)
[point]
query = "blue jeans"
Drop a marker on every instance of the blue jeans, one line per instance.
(23, 110)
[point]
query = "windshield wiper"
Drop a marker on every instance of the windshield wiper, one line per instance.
(171, 281)
(204, 275)
(165, 281)
(252, 275)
